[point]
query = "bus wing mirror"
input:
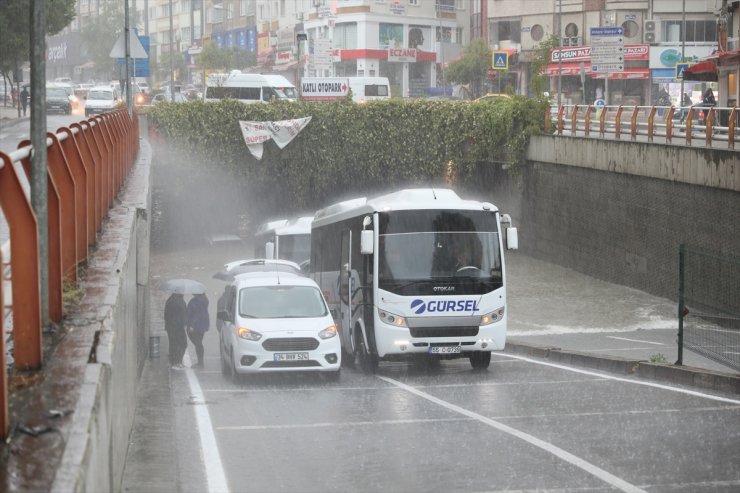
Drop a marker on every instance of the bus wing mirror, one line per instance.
(366, 242)
(512, 239)
(506, 218)
(269, 250)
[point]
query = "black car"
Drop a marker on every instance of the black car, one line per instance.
(57, 99)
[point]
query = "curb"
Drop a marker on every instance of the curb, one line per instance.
(683, 375)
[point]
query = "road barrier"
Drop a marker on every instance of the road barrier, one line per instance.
(716, 125)
(87, 165)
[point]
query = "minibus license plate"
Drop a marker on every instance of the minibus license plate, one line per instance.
(444, 349)
(290, 357)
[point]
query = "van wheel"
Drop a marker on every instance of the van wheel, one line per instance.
(332, 376)
(236, 379)
(480, 360)
(224, 362)
(368, 362)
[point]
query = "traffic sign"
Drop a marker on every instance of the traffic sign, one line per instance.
(680, 67)
(607, 49)
(599, 103)
(491, 74)
(500, 60)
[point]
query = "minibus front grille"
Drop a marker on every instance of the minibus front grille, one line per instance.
(290, 344)
(444, 331)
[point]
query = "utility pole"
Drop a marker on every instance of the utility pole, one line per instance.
(127, 58)
(172, 58)
(560, 52)
(683, 47)
(39, 168)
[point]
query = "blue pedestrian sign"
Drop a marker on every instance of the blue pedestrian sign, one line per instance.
(680, 67)
(599, 103)
(500, 60)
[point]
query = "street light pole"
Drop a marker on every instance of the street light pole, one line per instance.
(172, 59)
(683, 46)
(560, 51)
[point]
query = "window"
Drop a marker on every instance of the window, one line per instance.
(631, 29)
(414, 2)
(261, 12)
(506, 30)
(445, 5)
(345, 36)
(571, 30)
(282, 8)
(243, 6)
(165, 10)
(537, 32)
(696, 31)
(230, 11)
(185, 35)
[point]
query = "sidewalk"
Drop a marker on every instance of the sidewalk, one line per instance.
(10, 113)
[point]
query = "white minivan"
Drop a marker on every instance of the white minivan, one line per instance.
(337, 88)
(246, 88)
(277, 321)
(100, 99)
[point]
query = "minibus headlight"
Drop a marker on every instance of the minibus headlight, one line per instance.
(249, 335)
(328, 332)
(493, 317)
(392, 318)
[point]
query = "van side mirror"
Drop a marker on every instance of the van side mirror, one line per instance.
(366, 242)
(512, 239)
(224, 315)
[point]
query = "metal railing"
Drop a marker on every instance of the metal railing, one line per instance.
(87, 165)
(672, 125)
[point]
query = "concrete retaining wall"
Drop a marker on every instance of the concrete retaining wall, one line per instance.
(109, 322)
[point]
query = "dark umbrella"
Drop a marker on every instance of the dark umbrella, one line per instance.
(184, 286)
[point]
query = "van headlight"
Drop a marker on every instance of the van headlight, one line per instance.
(493, 317)
(392, 318)
(248, 334)
(328, 332)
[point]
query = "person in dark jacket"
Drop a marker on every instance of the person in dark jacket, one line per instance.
(198, 324)
(24, 100)
(175, 319)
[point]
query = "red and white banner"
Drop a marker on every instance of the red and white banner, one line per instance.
(583, 53)
(282, 132)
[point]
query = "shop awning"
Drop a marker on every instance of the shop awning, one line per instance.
(575, 69)
(702, 71)
(285, 66)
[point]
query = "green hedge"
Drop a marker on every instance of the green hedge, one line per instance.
(350, 149)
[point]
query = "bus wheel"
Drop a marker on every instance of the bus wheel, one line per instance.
(480, 360)
(368, 362)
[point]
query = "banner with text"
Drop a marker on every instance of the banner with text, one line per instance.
(282, 132)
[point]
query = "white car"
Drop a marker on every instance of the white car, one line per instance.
(277, 322)
(101, 99)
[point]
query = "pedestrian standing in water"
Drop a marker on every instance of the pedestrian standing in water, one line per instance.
(198, 324)
(24, 100)
(175, 319)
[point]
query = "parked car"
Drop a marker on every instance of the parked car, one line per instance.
(57, 100)
(68, 89)
(165, 97)
(277, 322)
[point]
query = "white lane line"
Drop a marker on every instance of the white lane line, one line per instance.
(626, 380)
(548, 447)
(214, 468)
(635, 340)
(339, 425)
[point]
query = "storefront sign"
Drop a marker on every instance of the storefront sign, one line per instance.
(283, 57)
(401, 55)
(583, 53)
(669, 57)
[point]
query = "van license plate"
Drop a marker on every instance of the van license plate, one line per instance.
(290, 357)
(444, 349)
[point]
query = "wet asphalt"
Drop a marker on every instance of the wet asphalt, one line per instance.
(525, 424)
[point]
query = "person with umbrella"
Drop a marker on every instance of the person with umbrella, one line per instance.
(175, 318)
(198, 324)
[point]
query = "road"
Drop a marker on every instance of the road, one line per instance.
(13, 131)
(523, 425)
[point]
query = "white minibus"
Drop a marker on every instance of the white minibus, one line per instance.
(286, 239)
(246, 88)
(415, 273)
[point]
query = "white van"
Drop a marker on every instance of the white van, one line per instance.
(100, 99)
(246, 88)
(335, 88)
(280, 83)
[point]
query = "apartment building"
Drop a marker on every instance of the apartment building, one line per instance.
(657, 35)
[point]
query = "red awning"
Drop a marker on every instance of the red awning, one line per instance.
(702, 71)
(575, 69)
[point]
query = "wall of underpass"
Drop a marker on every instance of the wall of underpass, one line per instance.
(618, 211)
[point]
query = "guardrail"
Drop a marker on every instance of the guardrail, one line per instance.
(87, 165)
(712, 124)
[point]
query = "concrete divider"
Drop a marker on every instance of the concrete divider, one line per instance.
(683, 375)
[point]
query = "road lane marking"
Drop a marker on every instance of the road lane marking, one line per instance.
(214, 468)
(626, 380)
(548, 447)
(335, 424)
(635, 340)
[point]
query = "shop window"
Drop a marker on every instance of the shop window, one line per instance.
(696, 31)
(537, 32)
(506, 30)
(631, 29)
(571, 30)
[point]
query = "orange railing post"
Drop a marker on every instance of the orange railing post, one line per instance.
(97, 165)
(651, 123)
(573, 120)
(669, 125)
(689, 118)
(3, 374)
(602, 122)
(54, 231)
(618, 123)
(561, 116)
(731, 128)
(79, 174)
(24, 265)
(710, 124)
(633, 123)
(63, 178)
(588, 120)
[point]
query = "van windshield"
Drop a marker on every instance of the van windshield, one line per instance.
(281, 301)
(102, 95)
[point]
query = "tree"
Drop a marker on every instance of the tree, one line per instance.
(472, 67)
(100, 33)
(162, 67)
(15, 28)
(224, 59)
(539, 81)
